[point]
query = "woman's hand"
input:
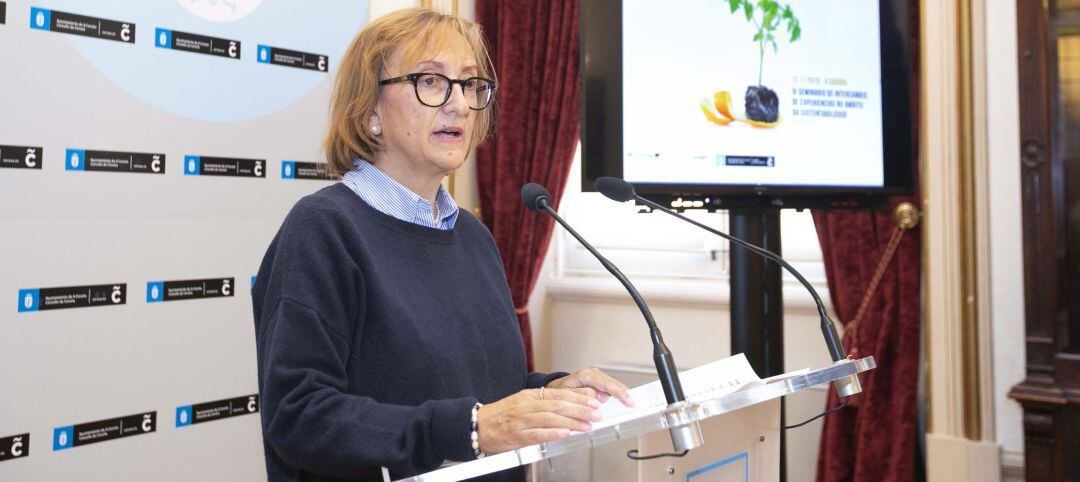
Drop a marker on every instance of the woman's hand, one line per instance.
(525, 419)
(595, 384)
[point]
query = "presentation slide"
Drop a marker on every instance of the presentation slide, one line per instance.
(752, 92)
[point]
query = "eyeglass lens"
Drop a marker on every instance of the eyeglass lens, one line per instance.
(434, 90)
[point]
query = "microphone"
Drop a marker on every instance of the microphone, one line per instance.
(622, 191)
(686, 436)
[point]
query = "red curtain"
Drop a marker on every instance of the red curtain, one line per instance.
(873, 439)
(534, 46)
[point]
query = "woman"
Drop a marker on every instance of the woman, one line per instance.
(385, 331)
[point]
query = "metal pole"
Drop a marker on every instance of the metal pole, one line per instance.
(757, 305)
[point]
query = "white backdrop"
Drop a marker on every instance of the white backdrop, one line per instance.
(70, 85)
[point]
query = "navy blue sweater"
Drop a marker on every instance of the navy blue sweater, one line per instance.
(375, 337)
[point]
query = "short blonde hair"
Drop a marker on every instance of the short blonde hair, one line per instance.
(356, 87)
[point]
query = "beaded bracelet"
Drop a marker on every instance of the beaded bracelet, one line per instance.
(475, 437)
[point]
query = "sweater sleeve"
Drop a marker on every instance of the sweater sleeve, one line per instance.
(313, 425)
(311, 313)
(537, 379)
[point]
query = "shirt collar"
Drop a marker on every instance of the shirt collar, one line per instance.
(388, 196)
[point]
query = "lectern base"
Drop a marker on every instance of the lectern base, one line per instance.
(739, 446)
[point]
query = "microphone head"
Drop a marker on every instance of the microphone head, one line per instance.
(616, 189)
(535, 196)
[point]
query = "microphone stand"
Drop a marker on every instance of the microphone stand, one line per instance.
(844, 387)
(685, 435)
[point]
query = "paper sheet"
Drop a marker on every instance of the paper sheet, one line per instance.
(710, 380)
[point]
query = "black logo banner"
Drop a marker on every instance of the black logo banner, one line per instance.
(224, 166)
(755, 161)
(195, 43)
(104, 430)
(157, 291)
(305, 170)
(37, 299)
(216, 410)
(64, 22)
(110, 161)
(293, 58)
(21, 157)
(14, 446)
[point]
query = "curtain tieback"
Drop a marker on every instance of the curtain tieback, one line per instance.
(521, 311)
(907, 217)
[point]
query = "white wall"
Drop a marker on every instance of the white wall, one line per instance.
(1006, 270)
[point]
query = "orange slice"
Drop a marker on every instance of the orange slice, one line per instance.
(712, 115)
(722, 101)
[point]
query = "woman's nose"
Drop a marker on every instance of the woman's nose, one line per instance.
(457, 102)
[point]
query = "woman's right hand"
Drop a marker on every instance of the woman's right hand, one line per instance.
(524, 419)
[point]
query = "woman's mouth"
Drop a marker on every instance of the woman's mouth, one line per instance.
(449, 133)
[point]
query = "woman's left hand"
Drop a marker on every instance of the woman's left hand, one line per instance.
(596, 384)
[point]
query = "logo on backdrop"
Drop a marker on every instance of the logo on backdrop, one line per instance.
(63, 22)
(3, 13)
(199, 44)
(158, 291)
(293, 58)
(224, 166)
(216, 410)
(104, 430)
(304, 170)
(38, 299)
(21, 157)
(14, 447)
(110, 161)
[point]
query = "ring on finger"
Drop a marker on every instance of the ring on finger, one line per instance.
(542, 393)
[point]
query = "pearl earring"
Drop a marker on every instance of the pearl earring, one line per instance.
(375, 129)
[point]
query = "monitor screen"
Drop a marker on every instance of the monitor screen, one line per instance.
(748, 96)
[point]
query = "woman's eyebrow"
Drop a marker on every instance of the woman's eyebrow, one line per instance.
(436, 65)
(430, 64)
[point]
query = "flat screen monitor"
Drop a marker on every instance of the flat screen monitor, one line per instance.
(757, 100)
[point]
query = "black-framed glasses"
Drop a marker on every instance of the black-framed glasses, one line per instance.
(433, 90)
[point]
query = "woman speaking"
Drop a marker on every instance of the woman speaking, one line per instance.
(387, 340)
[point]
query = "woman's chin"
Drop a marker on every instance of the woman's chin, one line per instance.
(450, 160)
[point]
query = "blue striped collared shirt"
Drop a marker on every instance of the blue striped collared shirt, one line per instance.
(388, 196)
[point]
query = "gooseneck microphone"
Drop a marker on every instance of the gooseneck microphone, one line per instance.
(536, 198)
(622, 191)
